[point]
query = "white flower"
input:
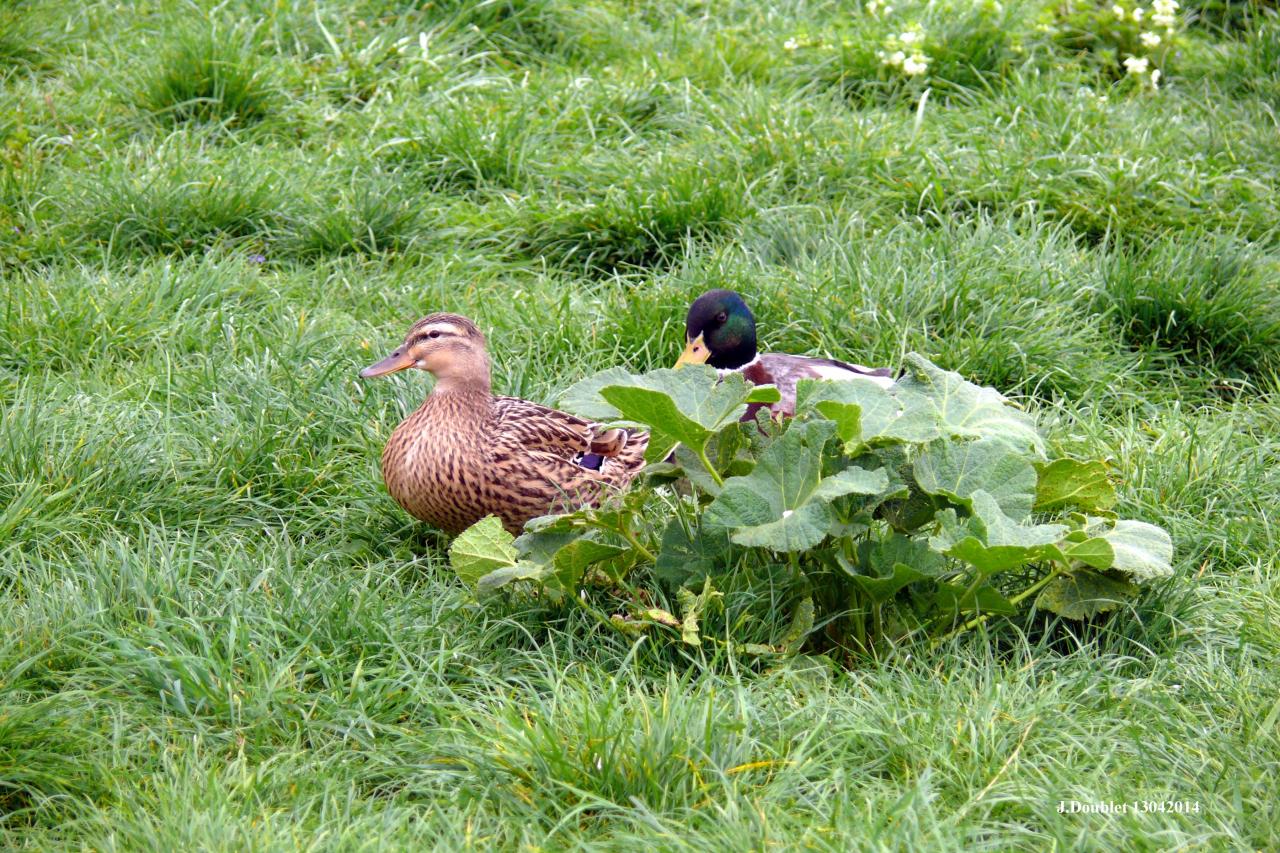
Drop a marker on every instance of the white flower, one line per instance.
(910, 37)
(790, 44)
(1164, 13)
(893, 60)
(1155, 78)
(1118, 11)
(1138, 12)
(916, 63)
(1136, 65)
(1150, 39)
(878, 8)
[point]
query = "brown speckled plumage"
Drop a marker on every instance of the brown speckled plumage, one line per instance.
(465, 453)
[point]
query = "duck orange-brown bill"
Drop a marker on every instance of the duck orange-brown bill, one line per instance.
(695, 352)
(390, 364)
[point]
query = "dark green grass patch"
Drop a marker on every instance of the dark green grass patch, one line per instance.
(465, 144)
(1070, 154)
(1231, 16)
(34, 36)
(208, 74)
(526, 29)
(43, 770)
(642, 221)
(1213, 303)
(375, 213)
(182, 202)
(1252, 65)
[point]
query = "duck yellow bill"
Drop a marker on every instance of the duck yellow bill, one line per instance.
(390, 364)
(695, 352)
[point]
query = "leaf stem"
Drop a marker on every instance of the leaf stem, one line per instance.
(635, 543)
(706, 463)
(1017, 599)
(624, 530)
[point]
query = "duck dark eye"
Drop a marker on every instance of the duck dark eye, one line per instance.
(721, 317)
(433, 334)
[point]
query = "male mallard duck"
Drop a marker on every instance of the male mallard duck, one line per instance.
(465, 453)
(721, 331)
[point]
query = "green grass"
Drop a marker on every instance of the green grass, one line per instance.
(219, 632)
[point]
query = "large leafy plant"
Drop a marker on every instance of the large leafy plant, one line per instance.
(925, 508)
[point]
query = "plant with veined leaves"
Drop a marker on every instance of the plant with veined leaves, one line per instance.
(922, 509)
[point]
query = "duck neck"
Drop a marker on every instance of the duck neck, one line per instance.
(466, 387)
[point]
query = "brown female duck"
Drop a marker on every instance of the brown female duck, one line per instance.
(465, 453)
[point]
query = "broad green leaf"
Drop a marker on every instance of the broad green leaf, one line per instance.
(659, 447)
(994, 559)
(884, 587)
(541, 545)
(908, 515)
(866, 413)
(573, 559)
(1143, 551)
(686, 406)
(958, 469)
(480, 549)
(965, 410)
(984, 599)
(895, 548)
(1000, 530)
(990, 541)
(521, 571)
(1070, 482)
(887, 565)
(766, 394)
(1084, 593)
(583, 397)
(784, 503)
(1096, 552)
(847, 418)
(686, 559)
(927, 404)
(568, 546)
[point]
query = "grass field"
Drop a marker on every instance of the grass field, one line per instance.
(219, 632)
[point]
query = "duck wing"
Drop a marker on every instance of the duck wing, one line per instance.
(542, 428)
(542, 460)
